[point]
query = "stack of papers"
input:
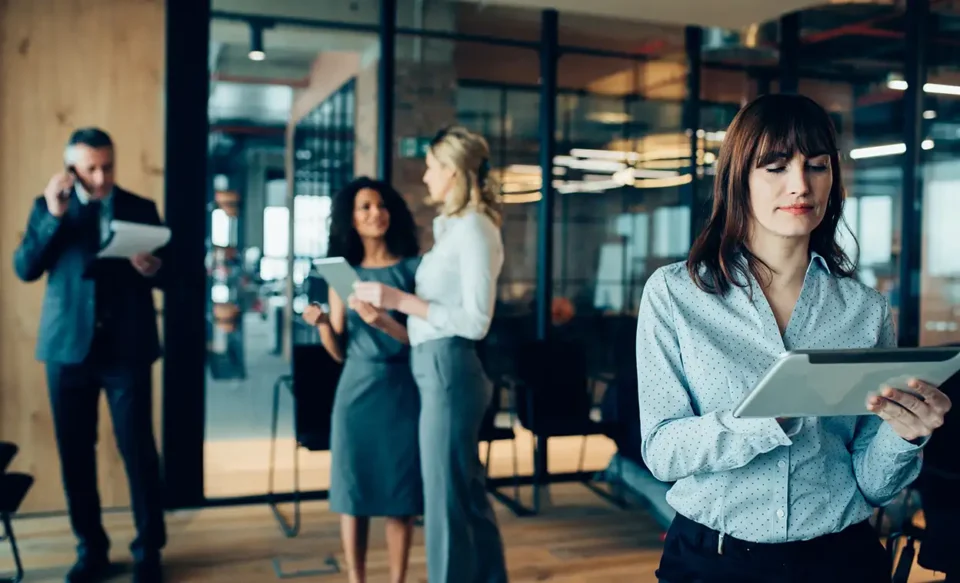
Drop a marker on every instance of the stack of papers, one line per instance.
(130, 239)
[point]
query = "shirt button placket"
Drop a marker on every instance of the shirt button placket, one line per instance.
(781, 512)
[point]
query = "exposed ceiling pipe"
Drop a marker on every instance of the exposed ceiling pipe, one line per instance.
(862, 27)
(845, 30)
(651, 47)
(878, 97)
(884, 33)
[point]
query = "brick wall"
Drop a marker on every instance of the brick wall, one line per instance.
(425, 101)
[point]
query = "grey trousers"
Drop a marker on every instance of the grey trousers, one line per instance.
(463, 541)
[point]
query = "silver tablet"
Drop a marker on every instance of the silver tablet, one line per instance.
(823, 383)
(338, 274)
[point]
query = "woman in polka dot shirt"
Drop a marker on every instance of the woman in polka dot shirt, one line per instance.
(770, 500)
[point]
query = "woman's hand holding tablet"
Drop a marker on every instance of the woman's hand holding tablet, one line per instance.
(912, 417)
(900, 385)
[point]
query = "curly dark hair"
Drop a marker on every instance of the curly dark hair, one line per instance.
(401, 236)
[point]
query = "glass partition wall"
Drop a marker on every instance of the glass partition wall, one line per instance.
(856, 87)
(301, 102)
(940, 259)
(290, 125)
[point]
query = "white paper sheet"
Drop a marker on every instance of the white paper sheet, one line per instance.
(130, 239)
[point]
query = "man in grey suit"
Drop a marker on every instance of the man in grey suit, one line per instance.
(98, 331)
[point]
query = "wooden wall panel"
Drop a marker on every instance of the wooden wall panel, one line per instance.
(66, 64)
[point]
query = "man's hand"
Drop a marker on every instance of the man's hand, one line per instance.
(57, 193)
(146, 264)
(314, 315)
(910, 417)
(371, 315)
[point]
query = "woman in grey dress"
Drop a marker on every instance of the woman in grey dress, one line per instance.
(451, 311)
(375, 461)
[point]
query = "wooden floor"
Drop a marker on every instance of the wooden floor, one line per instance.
(578, 539)
(238, 467)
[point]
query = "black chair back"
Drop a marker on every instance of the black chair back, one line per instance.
(315, 378)
(942, 451)
(554, 373)
(620, 410)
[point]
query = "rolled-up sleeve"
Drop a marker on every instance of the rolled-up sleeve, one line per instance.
(676, 442)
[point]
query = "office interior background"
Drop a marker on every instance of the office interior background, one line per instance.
(242, 118)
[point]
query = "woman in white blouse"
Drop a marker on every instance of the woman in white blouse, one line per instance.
(451, 311)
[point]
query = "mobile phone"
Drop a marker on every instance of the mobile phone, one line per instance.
(65, 194)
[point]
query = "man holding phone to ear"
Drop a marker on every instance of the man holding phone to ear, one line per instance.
(98, 331)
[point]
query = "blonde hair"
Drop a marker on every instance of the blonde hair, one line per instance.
(475, 189)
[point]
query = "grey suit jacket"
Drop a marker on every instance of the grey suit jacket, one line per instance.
(60, 248)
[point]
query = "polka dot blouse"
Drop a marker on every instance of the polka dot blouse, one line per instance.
(698, 354)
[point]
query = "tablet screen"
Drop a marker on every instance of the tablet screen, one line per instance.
(338, 274)
(821, 383)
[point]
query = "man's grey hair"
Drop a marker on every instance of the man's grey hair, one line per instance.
(91, 137)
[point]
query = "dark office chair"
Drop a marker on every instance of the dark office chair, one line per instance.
(493, 356)
(620, 406)
(312, 386)
(937, 485)
(8, 451)
(490, 432)
(554, 398)
(620, 411)
(13, 489)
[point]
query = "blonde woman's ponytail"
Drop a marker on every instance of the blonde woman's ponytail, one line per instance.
(476, 189)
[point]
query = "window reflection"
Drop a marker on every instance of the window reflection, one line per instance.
(301, 122)
(940, 269)
(220, 228)
(849, 81)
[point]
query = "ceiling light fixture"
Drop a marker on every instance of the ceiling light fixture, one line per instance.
(939, 88)
(885, 150)
(256, 42)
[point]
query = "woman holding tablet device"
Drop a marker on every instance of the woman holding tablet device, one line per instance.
(375, 469)
(455, 296)
(770, 499)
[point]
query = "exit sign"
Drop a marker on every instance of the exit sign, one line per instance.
(414, 147)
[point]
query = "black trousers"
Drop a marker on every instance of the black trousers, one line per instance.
(74, 398)
(690, 555)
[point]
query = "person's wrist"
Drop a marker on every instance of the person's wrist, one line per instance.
(404, 302)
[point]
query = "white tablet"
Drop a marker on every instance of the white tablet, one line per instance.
(824, 383)
(338, 274)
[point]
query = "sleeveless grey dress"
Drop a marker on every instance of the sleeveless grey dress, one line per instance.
(375, 453)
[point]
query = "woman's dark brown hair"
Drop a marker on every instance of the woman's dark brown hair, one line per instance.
(768, 128)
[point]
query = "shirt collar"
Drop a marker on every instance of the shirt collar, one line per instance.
(84, 196)
(817, 258)
(442, 224)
